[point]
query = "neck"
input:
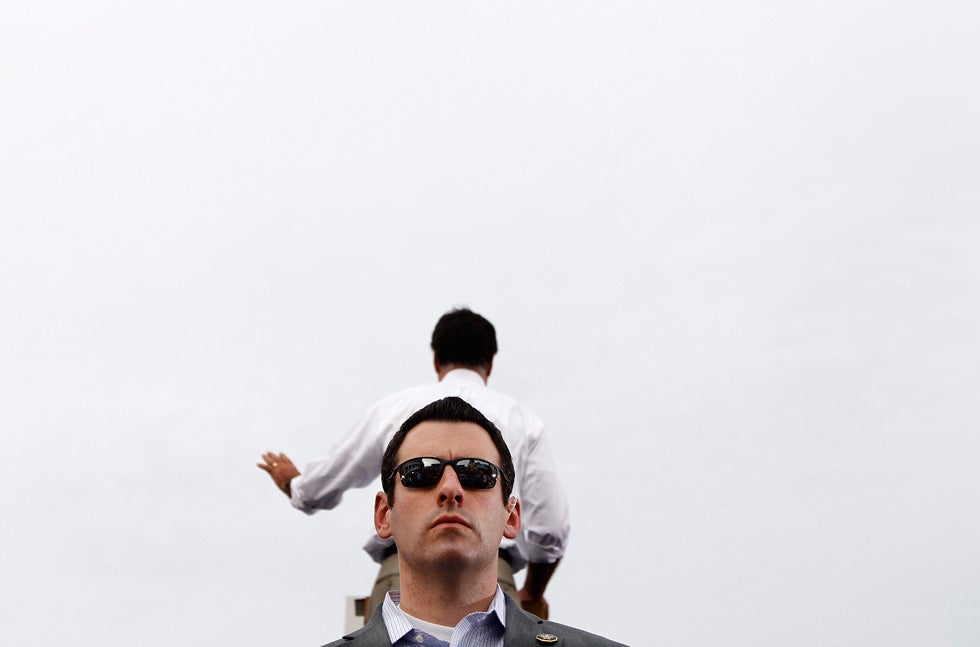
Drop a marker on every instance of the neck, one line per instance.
(443, 369)
(445, 598)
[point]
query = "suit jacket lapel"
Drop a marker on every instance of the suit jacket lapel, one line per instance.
(373, 634)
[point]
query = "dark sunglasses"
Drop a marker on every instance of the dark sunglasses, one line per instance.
(425, 472)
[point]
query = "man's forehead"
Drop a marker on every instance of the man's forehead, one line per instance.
(448, 439)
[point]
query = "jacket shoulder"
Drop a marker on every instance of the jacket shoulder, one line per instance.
(572, 637)
(524, 628)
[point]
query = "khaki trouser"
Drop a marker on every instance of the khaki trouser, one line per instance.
(388, 580)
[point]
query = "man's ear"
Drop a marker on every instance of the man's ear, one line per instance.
(382, 512)
(512, 527)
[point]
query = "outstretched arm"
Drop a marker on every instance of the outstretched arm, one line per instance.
(281, 469)
(532, 593)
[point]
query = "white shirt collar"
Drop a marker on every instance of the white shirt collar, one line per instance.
(463, 376)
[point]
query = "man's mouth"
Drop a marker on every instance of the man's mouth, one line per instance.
(450, 519)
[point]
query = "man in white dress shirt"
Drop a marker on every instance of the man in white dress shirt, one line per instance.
(447, 477)
(464, 344)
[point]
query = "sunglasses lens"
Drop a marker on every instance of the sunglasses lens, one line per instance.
(421, 472)
(476, 474)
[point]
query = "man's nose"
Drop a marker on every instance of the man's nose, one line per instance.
(449, 488)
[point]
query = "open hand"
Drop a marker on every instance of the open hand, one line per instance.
(280, 468)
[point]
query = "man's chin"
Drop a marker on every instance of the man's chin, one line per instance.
(450, 557)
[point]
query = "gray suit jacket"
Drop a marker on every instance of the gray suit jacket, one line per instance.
(523, 630)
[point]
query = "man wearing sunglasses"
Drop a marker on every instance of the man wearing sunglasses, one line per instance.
(464, 345)
(447, 476)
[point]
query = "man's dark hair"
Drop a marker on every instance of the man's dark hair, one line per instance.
(464, 338)
(451, 409)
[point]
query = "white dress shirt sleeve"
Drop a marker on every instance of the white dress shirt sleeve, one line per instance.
(544, 505)
(354, 462)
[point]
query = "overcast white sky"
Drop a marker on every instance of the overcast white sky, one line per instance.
(731, 250)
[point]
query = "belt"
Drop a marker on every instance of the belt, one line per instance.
(393, 550)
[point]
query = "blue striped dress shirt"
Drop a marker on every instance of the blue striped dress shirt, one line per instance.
(480, 629)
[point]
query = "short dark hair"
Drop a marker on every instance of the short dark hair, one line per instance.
(451, 409)
(465, 338)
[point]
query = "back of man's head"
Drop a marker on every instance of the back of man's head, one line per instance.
(464, 338)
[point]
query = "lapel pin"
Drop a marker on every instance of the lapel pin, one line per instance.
(546, 638)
